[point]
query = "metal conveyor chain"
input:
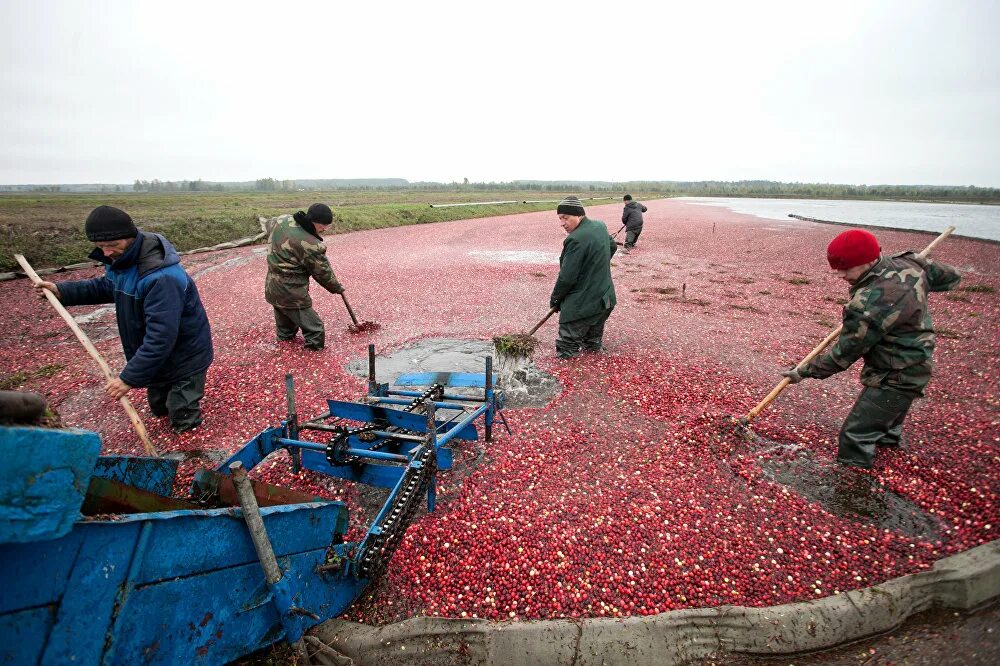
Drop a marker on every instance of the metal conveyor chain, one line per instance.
(334, 455)
(392, 527)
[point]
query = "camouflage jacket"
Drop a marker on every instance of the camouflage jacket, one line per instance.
(294, 256)
(886, 322)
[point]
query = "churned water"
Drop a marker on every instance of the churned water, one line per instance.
(974, 220)
(524, 384)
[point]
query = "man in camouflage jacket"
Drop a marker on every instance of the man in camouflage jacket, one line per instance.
(297, 253)
(886, 322)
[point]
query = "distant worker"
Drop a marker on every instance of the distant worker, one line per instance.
(297, 252)
(161, 321)
(632, 219)
(887, 323)
(583, 294)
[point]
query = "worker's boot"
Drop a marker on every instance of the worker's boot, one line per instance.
(877, 415)
(184, 402)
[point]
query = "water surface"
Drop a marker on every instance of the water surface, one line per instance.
(974, 220)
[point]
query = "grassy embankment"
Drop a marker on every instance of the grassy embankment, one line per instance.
(48, 228)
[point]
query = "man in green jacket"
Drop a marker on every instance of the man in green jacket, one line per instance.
(297, 252)
(584, 294)
(886, 323)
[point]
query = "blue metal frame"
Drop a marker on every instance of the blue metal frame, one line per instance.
(94, 591)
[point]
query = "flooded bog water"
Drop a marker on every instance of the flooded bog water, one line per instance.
(524, 385)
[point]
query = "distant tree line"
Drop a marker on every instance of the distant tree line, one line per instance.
(742, 188)
(703, 188)
(157, 185)
(272, 185)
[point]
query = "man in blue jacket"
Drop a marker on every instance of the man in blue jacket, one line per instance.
(161, 321)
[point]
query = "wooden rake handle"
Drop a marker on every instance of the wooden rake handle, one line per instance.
(133, 415)
(776, 391)
(552, 311)
(350, 310)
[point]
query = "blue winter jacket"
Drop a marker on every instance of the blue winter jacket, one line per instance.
(161, 321)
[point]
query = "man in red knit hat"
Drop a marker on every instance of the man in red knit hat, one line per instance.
(886, 323)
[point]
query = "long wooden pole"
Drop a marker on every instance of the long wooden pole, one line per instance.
(551, 312)
(350, 310)
(262, 544)
(776, 391)
(133, 415)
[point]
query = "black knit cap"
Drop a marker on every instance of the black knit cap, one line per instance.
(320, 213)
(107, 223)
(627, 197)
(571, 206)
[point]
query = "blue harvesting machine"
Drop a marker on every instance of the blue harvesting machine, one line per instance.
(100, 565)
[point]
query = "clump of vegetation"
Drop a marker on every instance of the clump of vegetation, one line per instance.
(520, 345)
(799, 280)
(537, 274)
(48, 370)
(764, 292)
(12, 381)
(979, 289)
(835, 299)
(698, 301)
(657, 290)
(949, 333)
(958, 298)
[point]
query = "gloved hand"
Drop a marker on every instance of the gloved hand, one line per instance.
(338, 288)
(553, 306)
(793, 375)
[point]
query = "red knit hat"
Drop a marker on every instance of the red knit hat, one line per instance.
(852, 248)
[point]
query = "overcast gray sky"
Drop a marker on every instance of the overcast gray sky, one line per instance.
(899, 91)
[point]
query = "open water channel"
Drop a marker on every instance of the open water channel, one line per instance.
(973, 220)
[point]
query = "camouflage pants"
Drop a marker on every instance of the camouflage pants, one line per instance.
(288, 322)
(876, 420)
(181, 401)
(587, 333)
(631, 236)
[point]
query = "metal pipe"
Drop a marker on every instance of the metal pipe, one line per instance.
(448, 436)
(265, 553)
(372, 384)
(448, 396)
(439, 405)
(309, 425)
(299, 444)
(292, 420)
(377, 455)
(398, 435)
(489, 398)
(473, 203)
(360, 453)
(431, 422)
(381, 433)
(432, 442)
